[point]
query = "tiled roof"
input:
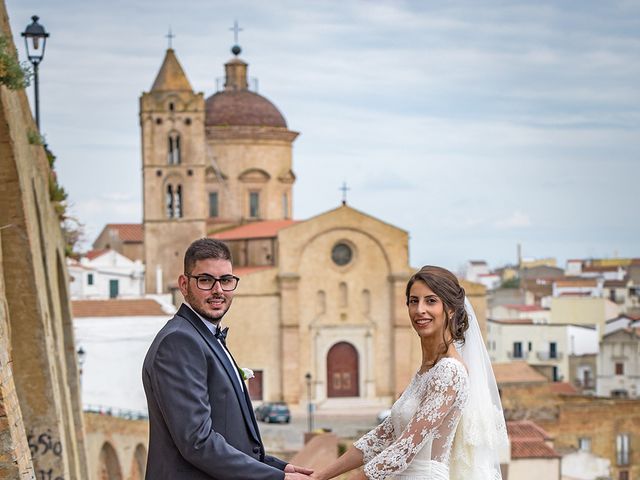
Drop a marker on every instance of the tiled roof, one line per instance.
(265, 229)
(171, 76)
(525, 308)
(528, 440)
(242, 108)
(116, 308)
(128, 232)
(615, 283)
(517, 372)
(563, 388)
(600, 268)
(512, 321)
(582, 282)
(93, 254)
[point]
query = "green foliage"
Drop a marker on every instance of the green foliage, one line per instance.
(13, 74)
(511, 283)
(72, 229)
(35, 138)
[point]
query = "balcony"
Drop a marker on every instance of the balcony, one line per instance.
(546, 356)
(523, 356)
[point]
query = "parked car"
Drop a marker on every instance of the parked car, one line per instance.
(273, 412)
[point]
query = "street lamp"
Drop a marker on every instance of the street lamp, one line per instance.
(82, 355)
(35, 39)
(309, 404)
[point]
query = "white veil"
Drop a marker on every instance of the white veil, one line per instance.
(481, 438)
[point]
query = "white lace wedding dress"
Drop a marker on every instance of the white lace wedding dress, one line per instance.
(414, 442)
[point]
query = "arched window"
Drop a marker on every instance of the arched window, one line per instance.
(366, 301)
(343, 296)
(178, 202)
(169, 201)
(322, 302)
(173, 157)
(174, 201)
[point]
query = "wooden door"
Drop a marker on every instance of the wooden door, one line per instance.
(342, 371)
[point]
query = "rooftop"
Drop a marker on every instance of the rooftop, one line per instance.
(117, 308)
(517, 372)
(528, 440)
(127, 232)
(264, 229)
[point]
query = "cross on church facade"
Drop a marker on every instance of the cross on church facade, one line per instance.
(236, 30)
(170, 36)
(344, 190)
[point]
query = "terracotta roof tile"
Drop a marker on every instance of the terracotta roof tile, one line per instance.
(517, 372)
(265, 229)
(525, 308)
(583, 282)
(526, 430)
(117, 308)
(93, 254)
(532, 449)
(128, 232)
(512, 321)
(563, 388)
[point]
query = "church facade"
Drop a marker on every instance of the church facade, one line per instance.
(320, 309)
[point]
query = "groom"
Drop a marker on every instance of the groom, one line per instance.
(201, 422)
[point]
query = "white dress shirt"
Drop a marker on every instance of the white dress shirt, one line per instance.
(212, 327)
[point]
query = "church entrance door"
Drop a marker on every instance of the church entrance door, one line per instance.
(342, 371)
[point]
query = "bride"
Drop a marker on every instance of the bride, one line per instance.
(448, 423)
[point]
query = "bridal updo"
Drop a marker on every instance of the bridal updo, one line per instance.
(446, 286)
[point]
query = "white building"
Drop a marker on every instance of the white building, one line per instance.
(114, 336)
(588, 287)
(105, 274)
(619, 363)
(474, 268)
(534, 313)
(540, 344)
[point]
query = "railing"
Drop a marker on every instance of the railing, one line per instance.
(547, 356)
(523, 356)
(116, 412)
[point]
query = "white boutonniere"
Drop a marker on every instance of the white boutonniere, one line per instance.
(247, 373)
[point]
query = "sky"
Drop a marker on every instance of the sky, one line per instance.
(473, 125)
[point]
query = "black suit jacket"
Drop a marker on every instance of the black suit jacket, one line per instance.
(202, 426)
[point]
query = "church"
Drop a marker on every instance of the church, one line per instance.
(320, 309)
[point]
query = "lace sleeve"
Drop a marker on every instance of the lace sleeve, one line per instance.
(443, 396)
(372, 443)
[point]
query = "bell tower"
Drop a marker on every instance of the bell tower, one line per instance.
(173, 172)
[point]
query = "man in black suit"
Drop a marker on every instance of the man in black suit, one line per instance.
(202, 425)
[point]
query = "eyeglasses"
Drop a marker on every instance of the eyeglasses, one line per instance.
(228, 283)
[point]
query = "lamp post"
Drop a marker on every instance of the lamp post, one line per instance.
(309, 404)
(82, 355)
(35, 39)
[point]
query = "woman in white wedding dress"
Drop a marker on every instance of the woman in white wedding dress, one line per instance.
(448, 423)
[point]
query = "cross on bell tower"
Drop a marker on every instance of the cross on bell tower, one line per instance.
(170, 36)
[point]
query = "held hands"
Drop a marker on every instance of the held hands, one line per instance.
(293, 472)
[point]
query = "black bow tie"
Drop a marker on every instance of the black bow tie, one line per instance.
(221, 334)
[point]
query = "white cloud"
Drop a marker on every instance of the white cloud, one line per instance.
(516, 220)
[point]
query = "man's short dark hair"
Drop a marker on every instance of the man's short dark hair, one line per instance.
(204, 249)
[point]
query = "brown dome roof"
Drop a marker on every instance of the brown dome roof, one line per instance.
(242, 108)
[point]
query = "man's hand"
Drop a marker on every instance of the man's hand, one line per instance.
(295, 469)
(296, 476)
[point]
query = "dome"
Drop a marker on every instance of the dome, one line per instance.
(242, 108)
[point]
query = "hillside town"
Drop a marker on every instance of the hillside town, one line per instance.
(319, 316)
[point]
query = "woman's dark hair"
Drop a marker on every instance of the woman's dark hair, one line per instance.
(446, 286)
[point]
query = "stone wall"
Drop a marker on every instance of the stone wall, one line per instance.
(40, 408)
